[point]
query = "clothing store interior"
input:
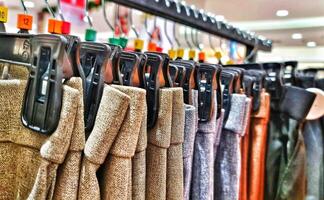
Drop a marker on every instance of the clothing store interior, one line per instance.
(161, 100)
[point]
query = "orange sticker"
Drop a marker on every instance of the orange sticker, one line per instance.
(54, 26)
(192, 54)
(25, 22)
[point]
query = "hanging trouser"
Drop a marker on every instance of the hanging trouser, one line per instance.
(286, 148)
(116, 173)
(175, 156)
(244, 150)
(219, 127)
(156, 154)
(202, 187)
(314, 142)
(257, 149)
(188, 147)
(29, 160)
(111, 113)
(227, 166)
(12, 71)
(139, 162)
(68, 174)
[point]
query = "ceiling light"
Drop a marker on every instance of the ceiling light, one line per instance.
(29, 4)
(297, 36)
(282, 13)
(311, 44)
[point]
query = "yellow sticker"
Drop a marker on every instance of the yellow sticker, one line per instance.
(230, 62)
(3, 14)
(172, 54)
(192, 54)
(218, 55)
(138, 44)
(180, 53)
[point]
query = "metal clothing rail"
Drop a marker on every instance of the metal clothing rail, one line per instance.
(198, 19)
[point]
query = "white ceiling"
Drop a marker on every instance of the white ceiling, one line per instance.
(255, 15)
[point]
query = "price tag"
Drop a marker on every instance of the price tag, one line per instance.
(192, 54)
(201, 56)
(172, 54)
(152, 47)
(25, 22)
(139, 44)
(3, 14)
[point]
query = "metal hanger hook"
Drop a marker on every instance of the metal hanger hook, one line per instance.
(105, 16)
(60, 10)
(87, 15)
(186, 38)
(131, 23)
(175, 35)
(146, 27)
(24, 7)
(49, 9)
(254, 50)
(166, 33)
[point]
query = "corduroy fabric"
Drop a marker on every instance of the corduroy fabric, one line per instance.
(111, 112)
(203, 161)
(139, 161)
(28, 159)
(188, 147)
(244, 148)
(227, 167)
(219, 127)
(67, 181)
(258, 146)
(117, 170)
(174, 157)
(158, 142)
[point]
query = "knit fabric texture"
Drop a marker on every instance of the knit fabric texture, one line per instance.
(116, 176)
(139, 161)
(175, 156)
(158, 142)
(29, 160)
(228, 159)
(203, 161)
(11, 71)
(67, 180)
(111, 113)
(188, 147)
(258, 147)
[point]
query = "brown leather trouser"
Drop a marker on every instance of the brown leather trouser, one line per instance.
(257, 149)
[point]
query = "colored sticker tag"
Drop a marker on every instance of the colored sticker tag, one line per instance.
(138, 44)
(218, 55)
(201, 56)
(3, 14)
(151, 46)
(180, 53)
(192, 54)
(25, 22)
(172, 54)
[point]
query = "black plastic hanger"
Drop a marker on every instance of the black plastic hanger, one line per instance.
(154, 80)
(188, 78)
(274, 80)
(290, 72)
(43, 95)
(227, 84)
(259, 84)
(93, 58)
(207, 84)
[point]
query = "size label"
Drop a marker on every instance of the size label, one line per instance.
(138, 44)
(180, 53)
(3, 14)
(172, 54)
(25, 22)
(192, 54)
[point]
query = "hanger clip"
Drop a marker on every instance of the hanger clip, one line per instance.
(128, 69)
(93, 59)
(43, 95)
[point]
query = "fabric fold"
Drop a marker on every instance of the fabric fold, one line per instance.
(174, 155)
(116, 173)
(111, 112)
(158, 142)
(203, 161)
(228, 159)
